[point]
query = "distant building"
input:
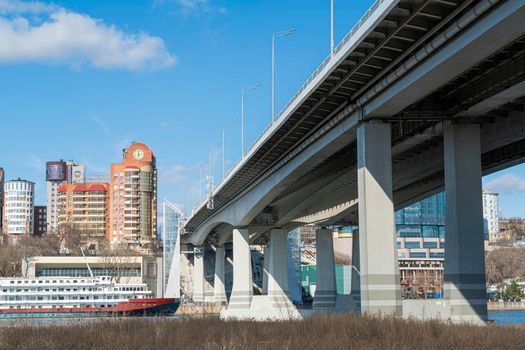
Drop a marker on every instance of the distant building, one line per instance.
(2, 177)
(133, 198)
(171, 229)
(491, 215)
(58, 172)
(420, 231)
(127, 269)
(40, 221)
(18, 208)
(84, 207)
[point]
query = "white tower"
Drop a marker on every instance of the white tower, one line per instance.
(18, 207)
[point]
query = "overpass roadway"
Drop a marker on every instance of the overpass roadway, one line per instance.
(409, 71)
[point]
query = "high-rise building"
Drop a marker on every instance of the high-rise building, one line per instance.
(490, 215)
(40, 220)
(2, 176)
(58, 172)
(133, 198)
(84, 207)
(75, 173)
(18, 208)
(172, 224)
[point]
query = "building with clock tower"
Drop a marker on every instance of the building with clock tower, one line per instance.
(133, 198)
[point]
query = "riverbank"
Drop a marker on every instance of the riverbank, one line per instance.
(505, 305)
(325, 332)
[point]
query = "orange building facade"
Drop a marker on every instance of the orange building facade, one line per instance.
(132, 209)
(84, 207)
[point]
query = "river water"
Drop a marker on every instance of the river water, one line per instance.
(508, 317)
(511, 317)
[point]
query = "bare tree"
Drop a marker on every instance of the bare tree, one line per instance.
(505, 263)
(516, 228)
(117, 259)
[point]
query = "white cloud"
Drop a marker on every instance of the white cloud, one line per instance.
(193, 6)
(61, 36)
(508, 183)
(16, 6)
(173, 174)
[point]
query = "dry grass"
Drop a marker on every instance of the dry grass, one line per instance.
(329, 332)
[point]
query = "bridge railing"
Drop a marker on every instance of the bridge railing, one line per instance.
(305, 85)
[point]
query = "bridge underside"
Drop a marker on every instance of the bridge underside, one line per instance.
(429, 98)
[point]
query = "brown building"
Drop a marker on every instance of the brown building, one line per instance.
(133, 198)
(84, 207)
(40, 220)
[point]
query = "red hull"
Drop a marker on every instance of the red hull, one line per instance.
(133, 306)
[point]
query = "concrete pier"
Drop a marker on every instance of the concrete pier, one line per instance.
(198, 277)
(278, 293)
(465, 287)
(356, 270)
(266, 268)
(219, 291)
(242, 290)
(380, 290)
(325, 290)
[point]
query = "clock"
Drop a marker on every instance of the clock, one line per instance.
(77, 174)
(138, 154)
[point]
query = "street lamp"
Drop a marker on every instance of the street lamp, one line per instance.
(222, 143)
(245, 89)
(274, 36)
(332, 27)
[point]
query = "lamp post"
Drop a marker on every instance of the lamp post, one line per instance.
(332, 27)
(244, 90)
(275, 36)
(222, 144)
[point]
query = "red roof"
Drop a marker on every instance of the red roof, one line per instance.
(80, 188)
(62, 187)
(97, 187)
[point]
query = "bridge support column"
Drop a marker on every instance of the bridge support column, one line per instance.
(380, 289)
(278, 270)
(325, 289)
(266, 267)
(198, 274)
(219, 291)
(356, 268)
(465, 286)
(242, 290)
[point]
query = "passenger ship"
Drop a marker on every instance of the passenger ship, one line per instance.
(81, 296)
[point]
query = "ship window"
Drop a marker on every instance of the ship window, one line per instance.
(19, 282)
(39, 281)
(12, 282)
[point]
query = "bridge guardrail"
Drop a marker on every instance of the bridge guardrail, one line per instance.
(305, 85)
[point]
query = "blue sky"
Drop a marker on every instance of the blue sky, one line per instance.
(82, 79)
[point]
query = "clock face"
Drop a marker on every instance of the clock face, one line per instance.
(77, 174)
(138, 154)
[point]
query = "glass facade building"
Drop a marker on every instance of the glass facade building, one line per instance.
(172, 225)
(424, 219)
(420, 229)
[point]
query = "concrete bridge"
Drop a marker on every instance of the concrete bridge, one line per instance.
(421, 96)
